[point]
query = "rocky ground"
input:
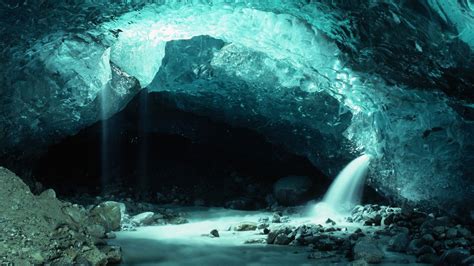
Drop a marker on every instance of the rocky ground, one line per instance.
(38, 229)
(377, 234)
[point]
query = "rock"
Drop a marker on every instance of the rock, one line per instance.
(453, 256)
(255, 241)
(276, 218)
(113, 254)
(464, 232)
(37, 258)
(451, 233)
(76, 214)
(282, 239)
(366, 249)
(375, 220)
(96, 230)
(245, 226)
(329, 221)
(438, 246)
(425, 250)
(94, 257)
(108, 214)
(389, 219)
(291, 190)
(272, 234)
(469, 261)
(427, 239)
(427, 258)
(110, 235)
(145, 218)
(262, 226)
(48, 193)
(214, 233)
(438, 231)
(399, 242)
(414, 245)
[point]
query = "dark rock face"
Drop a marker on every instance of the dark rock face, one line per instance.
(291, 190)
(332, 80)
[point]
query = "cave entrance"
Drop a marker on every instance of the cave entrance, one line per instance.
(204, 133)
(156, 152)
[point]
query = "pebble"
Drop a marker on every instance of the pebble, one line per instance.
(215, 233)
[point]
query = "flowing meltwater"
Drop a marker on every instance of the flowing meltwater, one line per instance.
(345, 192)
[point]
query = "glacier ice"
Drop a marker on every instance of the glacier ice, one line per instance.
(327, 79)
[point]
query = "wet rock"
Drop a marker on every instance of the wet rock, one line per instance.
(464, 232)
(438, 246)
(262, 226)
(469, 261)
(427, 239)
(215, 233)
(427, 258)
(245, 226)
(425, 250)
(145, 218)
(451, 233)
(367, 249)
(399, 242)
(453, 257)
(108, 214)
(414, 245)
(110, 235)
(375, 220)
(292, 190)
(388, 220)
(255, 241)
(276, 218)
(275, 232)
(329, 221)
(282, 239)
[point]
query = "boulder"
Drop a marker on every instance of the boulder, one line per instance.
(291, 190)
(108, 214)
(453, 257)
(144, 218)
(427, 258)
(367, 249)
(215, 233)
(399, 242)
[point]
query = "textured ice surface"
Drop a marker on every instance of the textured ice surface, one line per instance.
(329, 80)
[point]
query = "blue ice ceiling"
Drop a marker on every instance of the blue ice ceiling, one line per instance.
(326, 79)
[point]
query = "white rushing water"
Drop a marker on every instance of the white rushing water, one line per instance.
(346, 190)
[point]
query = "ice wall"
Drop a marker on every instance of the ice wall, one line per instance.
(327, 79)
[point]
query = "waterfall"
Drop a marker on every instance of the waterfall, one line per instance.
(346, 189)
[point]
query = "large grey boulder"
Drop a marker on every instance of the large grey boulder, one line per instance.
(108, 214)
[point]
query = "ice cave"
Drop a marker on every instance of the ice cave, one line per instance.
(237, 132)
